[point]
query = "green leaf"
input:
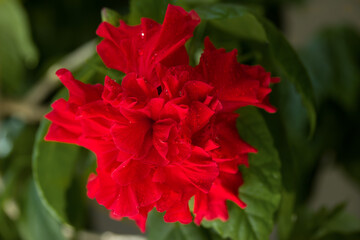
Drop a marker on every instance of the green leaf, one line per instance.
(17, 50)
(233, 19)
(36, 223)
(153, 9)
(285, 214)
(110, 16)
(332, 60)
(53, 169)
(319, 224)
(241, 22)
(340, 222)
(261, 188)
(157, 229)
(290, 66)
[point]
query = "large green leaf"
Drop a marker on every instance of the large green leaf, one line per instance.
(36, 223)
(261, 188)
(157, 229)
(319, 224)
(17, 51)
(53, 168)
(233, 19)
(153, 9)
(243, 23)
(110, 16)
(332, 60)
(291, 67)
(54, 164)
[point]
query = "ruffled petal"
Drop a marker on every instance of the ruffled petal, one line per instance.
(132, 137)
(65, 126)
(231, 146)
(79, 93)
(140, 48)
(237, 85)
(213, 204)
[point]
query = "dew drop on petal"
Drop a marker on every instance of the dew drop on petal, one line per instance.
(153, 57)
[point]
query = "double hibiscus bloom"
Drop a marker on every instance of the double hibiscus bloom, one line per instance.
(168, 132)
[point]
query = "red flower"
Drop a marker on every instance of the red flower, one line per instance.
(167, 133)
(140, 48)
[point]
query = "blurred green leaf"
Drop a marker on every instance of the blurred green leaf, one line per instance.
(94, 71)
(261, 188)
(195, 2)
(10, 128)
(153, 9)
(285, 214)
(313, 226)
(157, 229)
(110, 16)
(332, 59)
(241, 22)
(53, 169)
(234, 19)
(17, 51)
(15, 169)
(290, 66)
(36, 223)
(55, 164)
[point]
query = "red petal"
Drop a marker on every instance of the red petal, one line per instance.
(112, 92)
(65, 127)
(213, 204)
(147, 192)
(138, 88)
(227, 137)
(197, 90)
(140, 48)
(79, 92)
(130, 172)
(103, 189)
(125, 203)
(132, 137)
(140, 219)
(161, 133)
(199, 116)
(179, 212)
(199, 170)
(237, 85)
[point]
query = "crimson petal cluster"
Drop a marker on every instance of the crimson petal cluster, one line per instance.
(168, 132)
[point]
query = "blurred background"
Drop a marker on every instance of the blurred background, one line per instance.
(38, 37)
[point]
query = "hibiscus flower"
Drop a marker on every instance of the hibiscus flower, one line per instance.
(168, 132)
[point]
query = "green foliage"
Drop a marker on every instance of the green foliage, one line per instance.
(234, 19)
(246, 24)
(318, 225)
(14, 172)
(261, 188)
(110, 16)
(153, 9)
(159, 230)
(55, 194)
(17, 50)
(53, 168)
(36, 223)
(290, 66)
(332, 60)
